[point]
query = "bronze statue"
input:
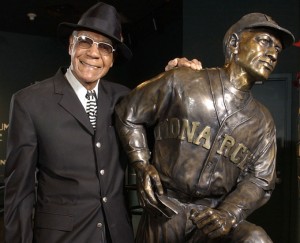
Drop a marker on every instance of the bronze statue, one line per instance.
(213, 161)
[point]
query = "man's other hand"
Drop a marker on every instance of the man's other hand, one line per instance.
(184, 62)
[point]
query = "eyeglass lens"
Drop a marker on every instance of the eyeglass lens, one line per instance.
(86, 43)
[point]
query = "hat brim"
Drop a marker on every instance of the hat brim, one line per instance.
(287, 38)
(65, 29)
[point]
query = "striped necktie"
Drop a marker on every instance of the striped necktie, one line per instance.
(91, 107)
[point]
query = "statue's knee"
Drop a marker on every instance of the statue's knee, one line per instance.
(250, 233)
(257, 235)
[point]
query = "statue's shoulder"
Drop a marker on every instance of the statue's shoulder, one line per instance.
(184, 72)
(188, 73)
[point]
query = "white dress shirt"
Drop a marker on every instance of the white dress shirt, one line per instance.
(79, 89)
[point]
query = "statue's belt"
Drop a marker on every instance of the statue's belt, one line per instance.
(170, 207)
(183, 198)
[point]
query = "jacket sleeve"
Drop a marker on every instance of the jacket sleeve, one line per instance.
(141, 108)
(256, 185)
(19, 174)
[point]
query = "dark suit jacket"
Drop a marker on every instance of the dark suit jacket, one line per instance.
(50, 131)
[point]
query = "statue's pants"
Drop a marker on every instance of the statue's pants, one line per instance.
(180, 229)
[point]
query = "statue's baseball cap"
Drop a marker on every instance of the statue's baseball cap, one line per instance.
(258, 21)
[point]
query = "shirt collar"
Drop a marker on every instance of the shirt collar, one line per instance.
(76, 85)
(79, 89)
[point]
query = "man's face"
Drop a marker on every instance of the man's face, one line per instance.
(89, 64)
(258, 52)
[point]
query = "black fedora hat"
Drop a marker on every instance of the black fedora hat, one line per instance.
(100, 18)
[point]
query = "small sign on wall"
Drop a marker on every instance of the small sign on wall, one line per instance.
(3, 136)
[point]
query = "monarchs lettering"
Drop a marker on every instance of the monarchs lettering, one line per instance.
(200, 135)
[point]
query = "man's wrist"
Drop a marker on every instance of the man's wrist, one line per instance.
(233, 211)
(136, 156)
(232, 218)
(139, 165)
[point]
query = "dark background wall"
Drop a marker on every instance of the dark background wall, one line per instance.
(194, 29)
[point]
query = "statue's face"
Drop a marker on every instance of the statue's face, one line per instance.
(258, 52)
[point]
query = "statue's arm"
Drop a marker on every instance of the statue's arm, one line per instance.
(141, 108)
(255, 189)
(252, 191)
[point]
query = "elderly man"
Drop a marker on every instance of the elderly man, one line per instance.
(55, 129)
(213, 161)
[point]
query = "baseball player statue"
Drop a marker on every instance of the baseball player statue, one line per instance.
(214, 148)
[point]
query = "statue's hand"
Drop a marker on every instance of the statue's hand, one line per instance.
(213, 222)
(148, 182)
(183, 62)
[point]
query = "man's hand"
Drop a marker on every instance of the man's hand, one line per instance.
(214, 223)
(183, 62)
(148, 181)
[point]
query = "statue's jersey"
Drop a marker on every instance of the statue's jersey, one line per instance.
(209, 138)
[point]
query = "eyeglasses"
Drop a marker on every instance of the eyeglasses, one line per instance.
(85, 42)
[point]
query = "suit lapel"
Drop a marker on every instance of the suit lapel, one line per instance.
(103, 113)
(70, 102)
